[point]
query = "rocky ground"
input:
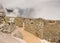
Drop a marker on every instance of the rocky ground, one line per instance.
(7, 38)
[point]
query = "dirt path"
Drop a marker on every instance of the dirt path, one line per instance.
(28, 37)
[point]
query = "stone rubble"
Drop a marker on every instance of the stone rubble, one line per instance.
(6, 26)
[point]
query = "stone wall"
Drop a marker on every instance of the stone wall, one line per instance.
(7, 26)
(51, 31)
(35, 26)
(19, 22)
(44, 29)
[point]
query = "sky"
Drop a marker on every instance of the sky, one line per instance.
(47, 9)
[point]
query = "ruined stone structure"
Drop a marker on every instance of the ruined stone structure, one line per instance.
(34, 26)
(44, 29)
(7, 25)
(2, 17)
(19, 21)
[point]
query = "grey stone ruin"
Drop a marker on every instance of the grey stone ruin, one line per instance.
(7, 27)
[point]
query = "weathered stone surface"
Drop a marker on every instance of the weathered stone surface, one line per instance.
(7, 26)
(7, 38)
(34, 26)
(18, 35)
(44, 29)
(19, 22)
(51, 31)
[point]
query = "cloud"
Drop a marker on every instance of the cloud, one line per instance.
(48, 9)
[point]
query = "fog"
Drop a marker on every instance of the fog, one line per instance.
(47, 9)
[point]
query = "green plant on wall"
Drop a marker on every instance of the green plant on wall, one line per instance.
(7, 19)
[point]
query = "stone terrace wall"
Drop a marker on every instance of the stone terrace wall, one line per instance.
(19, 21)
(35, 26)
(44, 29)
(51, 31)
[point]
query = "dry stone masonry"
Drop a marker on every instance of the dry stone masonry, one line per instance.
(7, 25)
(34, 26)
(44, 29)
